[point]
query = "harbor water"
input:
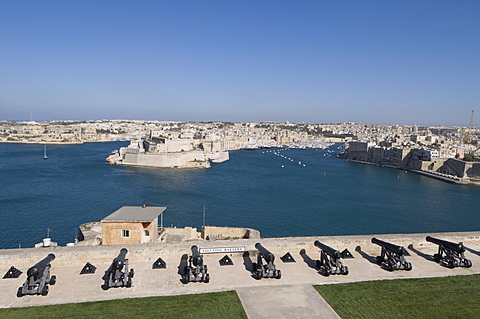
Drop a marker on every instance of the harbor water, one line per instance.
(292, 192)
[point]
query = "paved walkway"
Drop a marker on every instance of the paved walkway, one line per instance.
(290, 301)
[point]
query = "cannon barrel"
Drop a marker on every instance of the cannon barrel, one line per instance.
(196, 257)
(36, 270)
(448, 244)
(269, 257)
(120, 260)
(399, 250)
(329, 250)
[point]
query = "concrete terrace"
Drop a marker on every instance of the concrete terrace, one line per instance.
(296, 278)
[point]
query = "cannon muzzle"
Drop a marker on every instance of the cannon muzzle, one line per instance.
(329, 250)
(36, 270)
(120, 260)
(459, 248)
(196, 257)
(268, 256)
(399, 250)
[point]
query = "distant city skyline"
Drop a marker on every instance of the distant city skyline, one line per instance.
(367, 62)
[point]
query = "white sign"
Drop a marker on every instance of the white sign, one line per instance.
(222, 250)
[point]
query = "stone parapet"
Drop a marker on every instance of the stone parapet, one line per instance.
(26, 257)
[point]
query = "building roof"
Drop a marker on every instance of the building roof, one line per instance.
(134, 214)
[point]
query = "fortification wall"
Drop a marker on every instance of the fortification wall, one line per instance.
(24, 258)
(213, 232)
(183, 159)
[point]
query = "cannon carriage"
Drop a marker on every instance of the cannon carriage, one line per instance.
(38, 278)
(267, 270)
(330, 261)
(451, 253)
(196, 270)
(118, 274)
(392, 255)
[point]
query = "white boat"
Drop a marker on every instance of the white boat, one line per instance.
(250, 148)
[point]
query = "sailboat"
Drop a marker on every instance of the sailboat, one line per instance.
(45, 152)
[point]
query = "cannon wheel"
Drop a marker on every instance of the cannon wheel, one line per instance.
(259, 274)
(379, 260)
(327, 271)
(129, 283)
(408, 266)
(45, 290)
(207, 278)
(278, 275)
(437, 257)
(451, 263)
(186, 276)
(391, 266)
(19, 292)
(467, 263)
(345, 270)
(53, 280)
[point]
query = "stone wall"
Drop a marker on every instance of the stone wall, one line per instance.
(89, 234)
(212, 232)
(78, 256)
(168, 234)
(183, 159)
(454, 167)
(112, 233)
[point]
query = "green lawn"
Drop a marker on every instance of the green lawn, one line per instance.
(447, 297)
(209, 305)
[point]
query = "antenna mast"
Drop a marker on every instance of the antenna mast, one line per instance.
(468, 137)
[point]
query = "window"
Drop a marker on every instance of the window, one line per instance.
(147, 232)
(125, 233)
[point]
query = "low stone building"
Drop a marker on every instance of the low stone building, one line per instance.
(131, 225)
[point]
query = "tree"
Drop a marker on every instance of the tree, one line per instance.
(469, 157)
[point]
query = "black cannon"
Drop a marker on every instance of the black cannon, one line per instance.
(330, 260)
(38, 278)
(392, 255)
(268, 270)
(118, 275)
(450, 252)
(196, 271)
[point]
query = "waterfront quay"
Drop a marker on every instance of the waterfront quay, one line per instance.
(71, 287)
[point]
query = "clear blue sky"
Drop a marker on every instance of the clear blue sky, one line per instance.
(390, 62)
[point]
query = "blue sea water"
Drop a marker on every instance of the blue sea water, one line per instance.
(327, 196)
